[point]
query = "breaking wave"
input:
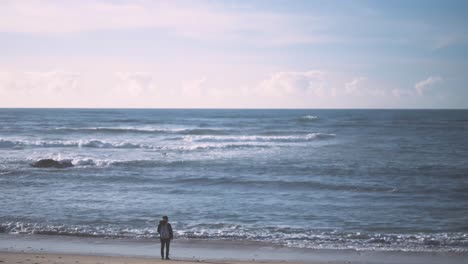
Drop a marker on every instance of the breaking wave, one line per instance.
(257, 138)
(308, 118)
(145, 130)
(285, 236)
(94, 143)
(192, 136)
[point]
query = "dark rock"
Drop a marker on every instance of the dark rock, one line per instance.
(50, 163)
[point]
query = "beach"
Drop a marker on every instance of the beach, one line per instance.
(72, 259)
(61, 249)
(43, 258)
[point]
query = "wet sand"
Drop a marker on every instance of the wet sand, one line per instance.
(47, 258)
(39, 249)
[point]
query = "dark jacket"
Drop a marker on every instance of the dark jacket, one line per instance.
(169, 227)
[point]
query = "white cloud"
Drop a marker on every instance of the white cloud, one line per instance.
(423, 84)
(401, 92)
(127, 88)
(447, 40)
(136, 83)
(193, 88)
(47, 82)
(293, 83)
(353, 86)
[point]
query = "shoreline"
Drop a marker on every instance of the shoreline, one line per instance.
(195, 251)
(43, 258)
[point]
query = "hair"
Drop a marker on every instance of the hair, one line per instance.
(165, 217)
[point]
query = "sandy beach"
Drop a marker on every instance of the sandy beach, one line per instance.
(43, 258)
(39, 249)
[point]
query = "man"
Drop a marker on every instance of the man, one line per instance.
(165, 234)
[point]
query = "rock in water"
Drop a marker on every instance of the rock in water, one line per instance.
(50, 163)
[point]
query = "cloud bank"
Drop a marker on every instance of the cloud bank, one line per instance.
(47, 82)
(137, 83)
(312, 88)
(293, 83)
(353, 86)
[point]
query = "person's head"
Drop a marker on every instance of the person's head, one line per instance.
(165, 218)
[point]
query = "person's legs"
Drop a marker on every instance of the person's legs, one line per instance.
(162, 248)
(168, 242)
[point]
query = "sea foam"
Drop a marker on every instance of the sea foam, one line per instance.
(308, 118)
(284, 236)
(92, 143)
(260, 138)
(144, 130)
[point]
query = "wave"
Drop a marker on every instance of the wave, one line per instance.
(125, 120)
(110, 130)
(197, 135)
(94, 143)
(282, 184)
(257, 138)
(142, 130)
(280, 235)
(14, 144)
(308, 118)
(215, 146)
(202, 131)
(8, 143)
(72, 162)
(330, 239)
(74, 230)
(161, 160)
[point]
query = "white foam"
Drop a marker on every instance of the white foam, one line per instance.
(145, 130)
(309, 118)
(90, 162)
(92, 143)
(258, 138)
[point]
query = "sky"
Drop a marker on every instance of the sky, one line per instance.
(234, 54)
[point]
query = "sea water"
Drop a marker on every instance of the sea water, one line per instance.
(333, 179)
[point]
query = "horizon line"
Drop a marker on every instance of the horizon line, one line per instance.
(227, 108)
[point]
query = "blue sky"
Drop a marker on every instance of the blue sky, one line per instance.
(242, 54)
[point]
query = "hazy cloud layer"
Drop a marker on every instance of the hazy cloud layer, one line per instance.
(353, 86)
(282, 87)
(199, 20)
(144, 53)
(41, 83)
(137, 83)
(293, 83)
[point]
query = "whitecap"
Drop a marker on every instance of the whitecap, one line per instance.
(308, 118)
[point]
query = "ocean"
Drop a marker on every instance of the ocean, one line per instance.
(326, 179)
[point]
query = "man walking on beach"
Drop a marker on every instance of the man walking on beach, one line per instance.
(165, 234)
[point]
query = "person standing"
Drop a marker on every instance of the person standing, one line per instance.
(165, 234)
